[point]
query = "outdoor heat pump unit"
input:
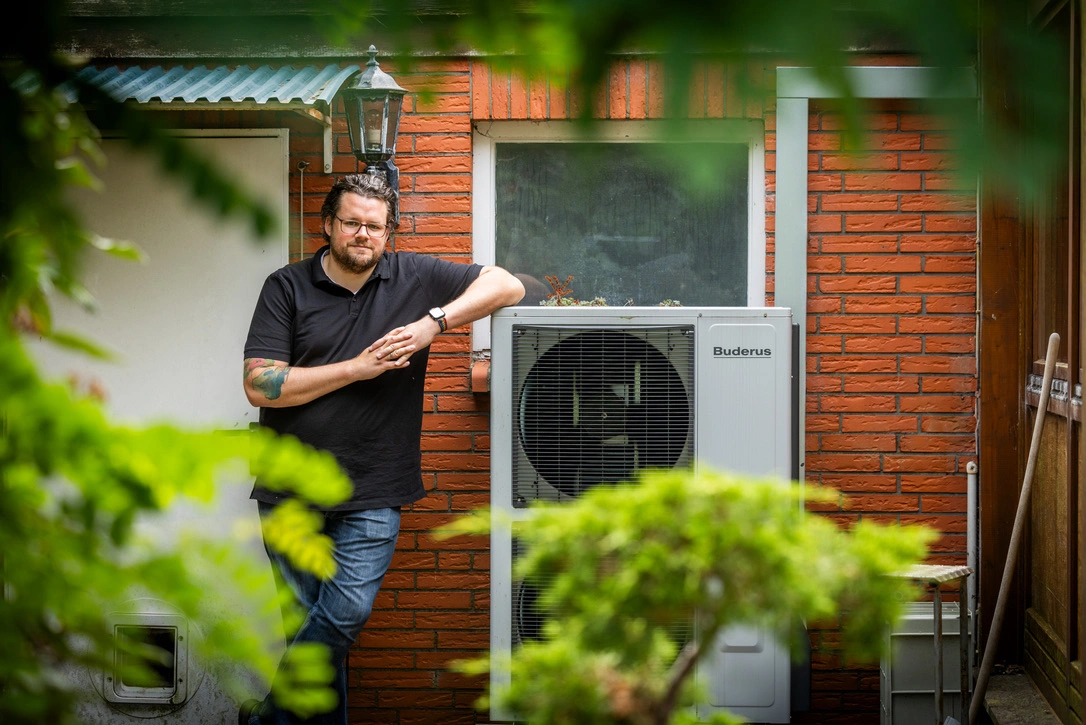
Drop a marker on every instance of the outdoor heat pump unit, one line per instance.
(588, 396)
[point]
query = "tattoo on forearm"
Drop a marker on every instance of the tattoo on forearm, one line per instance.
(266, 379)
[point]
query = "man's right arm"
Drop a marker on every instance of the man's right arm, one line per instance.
(277, 384)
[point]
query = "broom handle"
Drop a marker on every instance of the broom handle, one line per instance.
(1016, 535)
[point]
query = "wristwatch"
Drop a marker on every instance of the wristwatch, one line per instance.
(439, 317)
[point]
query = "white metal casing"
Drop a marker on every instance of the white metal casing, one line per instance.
(742, 410)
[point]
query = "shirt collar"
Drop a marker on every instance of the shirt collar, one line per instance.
(321, 278)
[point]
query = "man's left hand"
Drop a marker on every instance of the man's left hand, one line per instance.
(403, 342)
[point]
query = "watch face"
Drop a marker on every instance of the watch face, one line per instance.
(437, 313)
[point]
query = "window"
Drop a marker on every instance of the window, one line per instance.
(628, 217)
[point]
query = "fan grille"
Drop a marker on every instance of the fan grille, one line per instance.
(595, 406)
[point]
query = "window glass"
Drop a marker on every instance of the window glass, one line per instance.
(625, 220)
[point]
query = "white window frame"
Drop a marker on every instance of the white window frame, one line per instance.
(487, 134)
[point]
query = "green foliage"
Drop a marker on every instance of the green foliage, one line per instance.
(631, 569)
(576, 43)
(77, 490)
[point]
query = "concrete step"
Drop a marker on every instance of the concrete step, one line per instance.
(1013, 699)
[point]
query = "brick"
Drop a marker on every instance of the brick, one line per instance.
(444, 124)
(819, 264)
(882, 502)
(948, 384)
(823, 383)
(537, 97)
(883, 181)
(448, 224)
(842, 462)
(454, 560)
(558, 98)
(938, 202)
(433, 600)
(896, 305)
(402, 639)
(856, 324)
(818, 344)
(949, 182)
(944, 243)
(938, 324)
(469, 501)
(446, 103)
(937, 403)
(956, 304)
(857, 364)
(442, 144)
(443, 422)
(936, 484)
(860, 162)
(892, 141)
(431, 698)
(946, 284)
(821, 141)
(414, 560)
(820, 223)
(867, 244)
(950, 223)
(461, 481)
(858, 442)
(857, 403)
(882, 344)
(444, 203)
(944, 344)
(859, 202)
(861, 284)
(434, 244)
(882, 383)
(935, 443)
(821, 305)
(927, 161)
(906, 463)
(419, 164)
(637, 91)
(889, 264)
(822, 423)
(390, 619)
(945, 364)
(884, 223)
(880, 423)
(443, 183)
(943, 504)
(824, 182)
(617, 91)
(947, 264)
(856, 482)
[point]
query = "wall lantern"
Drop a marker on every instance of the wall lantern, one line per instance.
(373, 101)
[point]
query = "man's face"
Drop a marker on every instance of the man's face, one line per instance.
(359, 250)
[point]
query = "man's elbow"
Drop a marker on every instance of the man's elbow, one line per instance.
(255, 399)
(511, 290)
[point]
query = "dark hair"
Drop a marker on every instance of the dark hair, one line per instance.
(368, 186)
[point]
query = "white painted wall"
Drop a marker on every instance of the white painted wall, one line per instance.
(177, 324)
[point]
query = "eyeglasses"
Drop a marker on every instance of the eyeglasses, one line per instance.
(350, 226)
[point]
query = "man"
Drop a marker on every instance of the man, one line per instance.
(336, 356)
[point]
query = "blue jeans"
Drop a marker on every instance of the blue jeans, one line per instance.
(338, 608)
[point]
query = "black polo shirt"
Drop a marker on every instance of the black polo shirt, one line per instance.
(372, 427)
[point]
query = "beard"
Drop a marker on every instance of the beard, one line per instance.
(353, 263)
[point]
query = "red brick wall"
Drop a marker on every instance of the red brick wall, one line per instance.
(891, 348)
(891, 366)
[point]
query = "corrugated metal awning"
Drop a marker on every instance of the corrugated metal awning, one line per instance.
(222, 86)
(308, 91)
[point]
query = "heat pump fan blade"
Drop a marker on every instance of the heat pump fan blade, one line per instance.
(599, 406)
